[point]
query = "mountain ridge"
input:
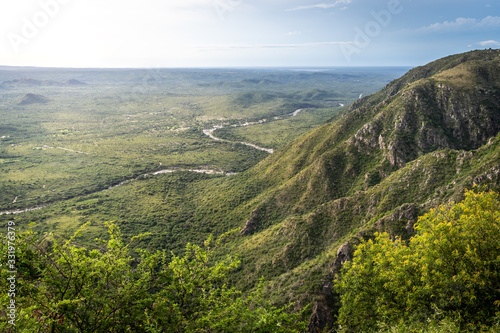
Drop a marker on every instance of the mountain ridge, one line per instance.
(387, 159)
(364, 130)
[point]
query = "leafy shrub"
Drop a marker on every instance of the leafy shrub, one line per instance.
(448, 270)
(61, 287)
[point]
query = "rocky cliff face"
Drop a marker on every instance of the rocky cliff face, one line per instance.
(456, 108)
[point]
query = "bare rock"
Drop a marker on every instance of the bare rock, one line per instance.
(320, 318)
(252, 223)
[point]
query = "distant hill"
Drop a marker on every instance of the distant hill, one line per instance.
(319, 94)
(33, 99)
(250, 98)
(388, 158)
(28, 82)
(260, 82)
(23, 82)
(74, 82)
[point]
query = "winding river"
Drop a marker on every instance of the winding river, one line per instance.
(172, 170)
(209, 132)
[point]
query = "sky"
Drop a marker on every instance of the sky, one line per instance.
(242, 33)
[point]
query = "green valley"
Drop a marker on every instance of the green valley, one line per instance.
(132, 146)
(118, 125)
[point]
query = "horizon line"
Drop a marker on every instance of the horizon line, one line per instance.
(206, 67)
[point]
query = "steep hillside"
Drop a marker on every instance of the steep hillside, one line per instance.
(371, 140)
(390, 157)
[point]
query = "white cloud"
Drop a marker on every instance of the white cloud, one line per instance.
(490, 21)
(463, 23)
(321, 5)
(267, 46)
(489, 43)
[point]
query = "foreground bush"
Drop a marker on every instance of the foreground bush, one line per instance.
(61, 287)
(446, 276)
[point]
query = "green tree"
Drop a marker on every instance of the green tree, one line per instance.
(375, 285)
(449, 269)
(461, 261)
(70, 289)
(197, 299)
(62, 287)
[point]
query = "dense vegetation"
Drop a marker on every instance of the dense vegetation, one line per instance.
(443, 279)
(386, 160)
(114, 287)
(445, 275)
(371, 169)
(68, 135)
(122, 124)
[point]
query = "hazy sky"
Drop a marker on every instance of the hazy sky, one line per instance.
(242, 33)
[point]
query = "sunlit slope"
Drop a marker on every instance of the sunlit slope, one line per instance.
(390, 157)
(383, 132)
